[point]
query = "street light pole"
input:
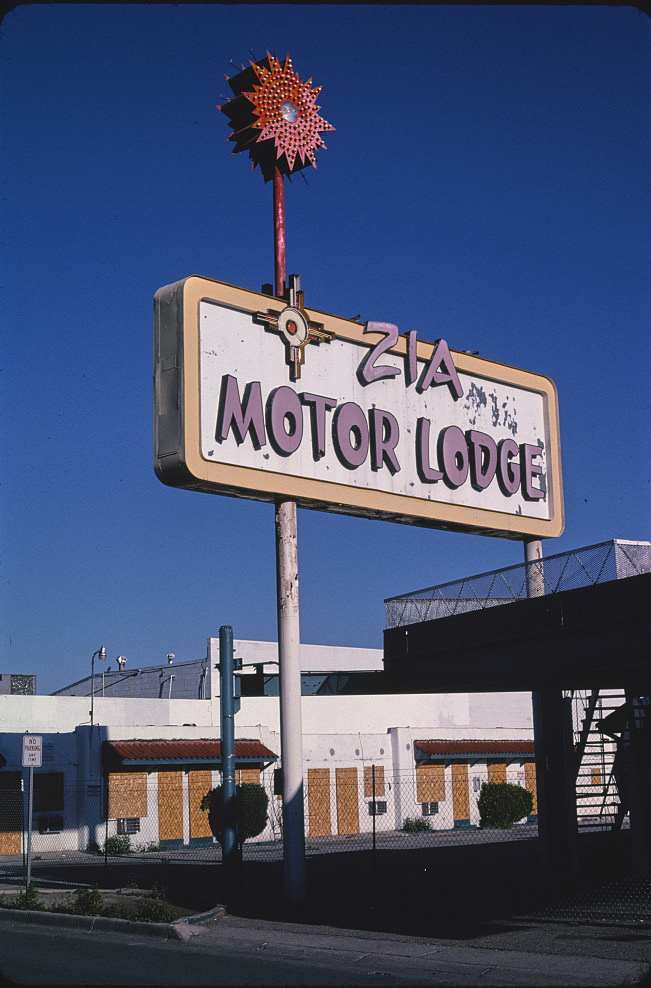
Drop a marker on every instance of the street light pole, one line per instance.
(101, 652)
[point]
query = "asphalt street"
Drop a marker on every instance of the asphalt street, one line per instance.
(240, 951)
(471, 915)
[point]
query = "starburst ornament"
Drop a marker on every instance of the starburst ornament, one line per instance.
(274, 117)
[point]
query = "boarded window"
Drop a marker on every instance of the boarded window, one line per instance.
(318, 801)
(368, 781)
(199, 785)
(170, 806)
(595, 775)
(530, 782)
(127, 794)
(347, 800)
(497, 771)
(48, 792)
(243, 775)
(460, 796)
(430, 783)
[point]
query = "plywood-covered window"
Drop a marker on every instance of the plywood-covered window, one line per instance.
(368, 781)
(318, 801)
(460, 794)
(243, 775)
(170, 805)
(199, 785)
(127, 795)
(11, 812)
(497, 771)
(347, 800)
(530, 782)
(430, 783)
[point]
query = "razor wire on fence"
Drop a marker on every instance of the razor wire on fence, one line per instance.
(613, 560)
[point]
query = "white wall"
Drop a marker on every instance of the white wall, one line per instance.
(56, 714)
(339, 732)
(512, 712)
(453, 715)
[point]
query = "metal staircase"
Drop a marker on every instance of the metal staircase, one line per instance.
(598, 806)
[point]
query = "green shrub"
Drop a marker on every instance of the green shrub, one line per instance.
(88, 902)
(28, 899)
(416, 825)
(500, 804)
(155, 910)
(119, 844)
(148, 848)
(251, 803)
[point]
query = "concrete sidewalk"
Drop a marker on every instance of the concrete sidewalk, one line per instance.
(526, 954)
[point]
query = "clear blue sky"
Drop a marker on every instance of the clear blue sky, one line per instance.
(488, 182)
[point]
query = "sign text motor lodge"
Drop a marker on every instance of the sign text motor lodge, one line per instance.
(366, 422)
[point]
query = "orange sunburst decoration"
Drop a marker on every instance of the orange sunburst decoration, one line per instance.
(275, 117)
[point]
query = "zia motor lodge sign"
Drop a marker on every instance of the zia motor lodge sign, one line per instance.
(258, 398)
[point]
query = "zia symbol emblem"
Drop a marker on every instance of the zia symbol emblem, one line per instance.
(295, 328)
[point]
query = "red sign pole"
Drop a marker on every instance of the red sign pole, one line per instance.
(279, 232)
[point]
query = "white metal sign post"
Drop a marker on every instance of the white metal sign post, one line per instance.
(32, 758)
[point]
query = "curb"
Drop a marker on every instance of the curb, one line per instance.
(180, 929)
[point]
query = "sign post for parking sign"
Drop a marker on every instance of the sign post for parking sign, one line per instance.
(32, 758)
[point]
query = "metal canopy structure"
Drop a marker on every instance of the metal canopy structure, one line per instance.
(591, 635)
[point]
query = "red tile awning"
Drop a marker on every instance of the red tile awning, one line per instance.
(183, 752)
(475, 749)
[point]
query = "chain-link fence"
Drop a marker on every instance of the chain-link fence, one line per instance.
(344, 810)
(613, 560)
(409, 847)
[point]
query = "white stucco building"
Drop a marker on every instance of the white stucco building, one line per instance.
(152, 752)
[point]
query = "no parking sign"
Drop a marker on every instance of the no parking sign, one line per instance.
(32, 751)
